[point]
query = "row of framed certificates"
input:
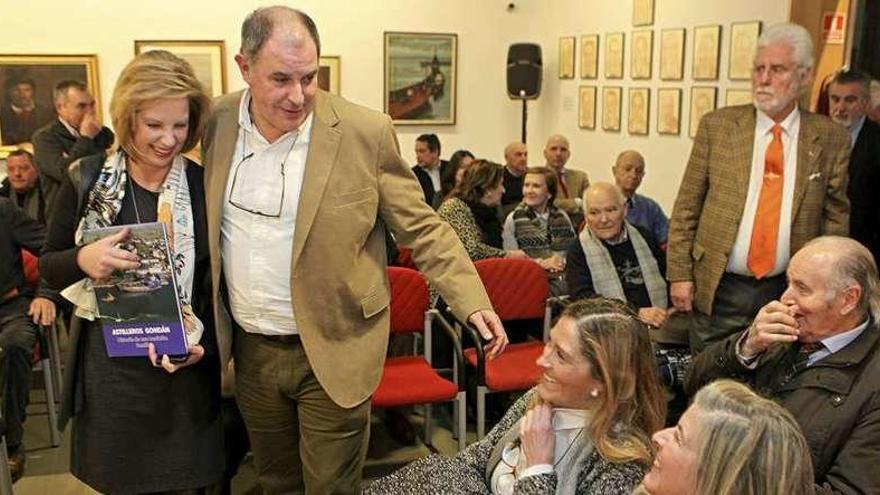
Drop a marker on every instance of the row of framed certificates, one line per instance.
(705, 61)
(703, 99)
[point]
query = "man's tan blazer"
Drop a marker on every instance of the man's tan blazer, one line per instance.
(355, 184)
(712, 196)
(576, 182)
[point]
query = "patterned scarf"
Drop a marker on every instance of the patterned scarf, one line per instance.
(174, 209)
(604, 275)
(537, 240)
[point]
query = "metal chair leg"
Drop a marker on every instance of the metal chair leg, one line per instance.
(48, 372)
(428, 426)
(5, 476)
(461, 419)
(481, 411)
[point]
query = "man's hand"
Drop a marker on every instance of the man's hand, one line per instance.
(775, 323)
(536, 435)
(489, 325)
(553, 264)
(101, 258)
(42, 311)
(89, 127)
(653, 317)
(682, 295)
(517, 254)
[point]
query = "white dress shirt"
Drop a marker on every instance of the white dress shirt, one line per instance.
(256, 249)
(739, 254)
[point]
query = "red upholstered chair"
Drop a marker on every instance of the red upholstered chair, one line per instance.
(411, 380)
(404, 257)
(518, 290)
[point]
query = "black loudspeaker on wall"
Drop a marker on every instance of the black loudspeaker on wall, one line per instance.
(524, 71)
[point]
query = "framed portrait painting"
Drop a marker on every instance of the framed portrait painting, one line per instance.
(207, 57)
(328, 73)
(743, 39)
(734, 97)
(640, 56)
(702, 102)
(587, 107)
(614, 55)
(707, 43)
(420, 77)
(28, 81)
(589, 56)
(566, 57)
(637, 117)
(672, 54)
(611, 96)
(668, 111)
(643, 12)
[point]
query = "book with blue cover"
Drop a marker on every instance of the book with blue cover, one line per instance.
(140, 306)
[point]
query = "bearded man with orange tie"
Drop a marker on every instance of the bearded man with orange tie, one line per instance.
(761, 181)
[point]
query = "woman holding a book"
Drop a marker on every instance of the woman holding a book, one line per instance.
(143, 422)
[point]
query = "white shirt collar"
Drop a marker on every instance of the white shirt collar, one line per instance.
(247, 124)
(570, 419)
(855, 130)
(69, 127)
(765, 124)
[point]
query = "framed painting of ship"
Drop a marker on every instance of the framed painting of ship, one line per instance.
(420, 77)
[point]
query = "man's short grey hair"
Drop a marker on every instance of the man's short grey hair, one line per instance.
(793, 35)
(853, 264)
(258, 26)
(606, 187)
(61, 89)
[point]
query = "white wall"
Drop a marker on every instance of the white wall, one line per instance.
(486, 119)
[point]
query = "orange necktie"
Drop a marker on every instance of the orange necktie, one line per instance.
(562, 185)
(762, 250)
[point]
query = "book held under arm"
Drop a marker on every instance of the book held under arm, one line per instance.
(140, 306)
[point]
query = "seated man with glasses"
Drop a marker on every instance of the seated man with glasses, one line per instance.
(762, 180)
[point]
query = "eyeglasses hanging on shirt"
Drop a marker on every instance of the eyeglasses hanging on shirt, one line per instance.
(258, 181)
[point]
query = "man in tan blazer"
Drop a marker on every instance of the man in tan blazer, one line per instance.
(711, 259)
(301, 186)
(573, 183)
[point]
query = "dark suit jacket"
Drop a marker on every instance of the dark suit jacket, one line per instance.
(836, 401)
(864, 187)
(55, 148)
(713, 192)
(15, 130)
(432, 197)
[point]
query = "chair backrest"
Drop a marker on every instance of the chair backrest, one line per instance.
(404, 257)
(409, 300)
(517, 288)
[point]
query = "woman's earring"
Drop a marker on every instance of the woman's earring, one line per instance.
(594, 393)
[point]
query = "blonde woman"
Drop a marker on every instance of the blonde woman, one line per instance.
(141, 425)
(731, 441)
(583, 429)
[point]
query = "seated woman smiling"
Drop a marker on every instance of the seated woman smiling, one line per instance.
(731, 441)
(583, 429)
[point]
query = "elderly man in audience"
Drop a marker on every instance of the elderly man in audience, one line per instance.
(629, 170)
(848, 101)
(516, 158)
(23, 185)
(572, 183)
(21, 310)
(762, 180)
(616, 259)
(816, 351)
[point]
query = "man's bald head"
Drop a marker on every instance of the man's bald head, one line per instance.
(603, 190)
(259, 26)
(557, 152)
(604, 210)
(516, 157)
